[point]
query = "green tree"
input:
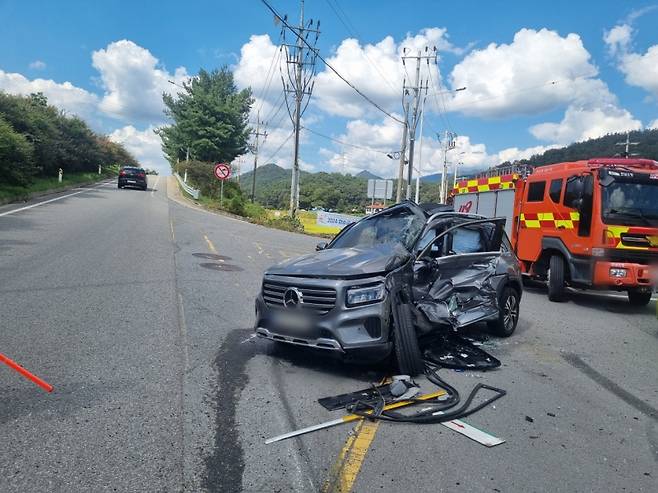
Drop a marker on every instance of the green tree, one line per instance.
(16, 156)
(209, 117)
(39, 138)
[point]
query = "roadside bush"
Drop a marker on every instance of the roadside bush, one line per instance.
(236, 205)
(286, 223)
(255, 212)
(16, 156)
(49, 139)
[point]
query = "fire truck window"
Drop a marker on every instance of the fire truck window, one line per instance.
(556, 190)
(573, 191)
(536, 191)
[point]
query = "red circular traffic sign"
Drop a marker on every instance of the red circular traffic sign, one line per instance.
(222, 171)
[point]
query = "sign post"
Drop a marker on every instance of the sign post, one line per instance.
(222, 172)
(380, 189)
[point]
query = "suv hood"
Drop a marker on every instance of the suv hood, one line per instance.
(343, 262)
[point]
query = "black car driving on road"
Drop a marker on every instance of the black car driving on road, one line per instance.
(130, 176)
(391, 278)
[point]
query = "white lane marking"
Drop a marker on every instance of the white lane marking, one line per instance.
(48, 201)
(154, 189)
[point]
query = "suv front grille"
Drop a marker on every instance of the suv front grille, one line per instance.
(316, 299)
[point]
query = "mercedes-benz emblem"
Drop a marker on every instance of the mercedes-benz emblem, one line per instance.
(292, 298)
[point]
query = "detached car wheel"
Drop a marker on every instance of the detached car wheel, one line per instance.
(639, 298)
(556, 278)
(508, 313)
(407, 352)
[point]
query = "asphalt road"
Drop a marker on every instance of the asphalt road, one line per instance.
(139, 311)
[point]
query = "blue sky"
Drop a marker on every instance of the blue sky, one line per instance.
(117, 55)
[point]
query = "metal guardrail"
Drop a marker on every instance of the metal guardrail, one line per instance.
(191, 191)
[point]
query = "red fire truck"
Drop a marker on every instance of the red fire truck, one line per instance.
(587, 224)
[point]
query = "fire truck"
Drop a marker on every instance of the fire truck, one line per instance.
(586, 224)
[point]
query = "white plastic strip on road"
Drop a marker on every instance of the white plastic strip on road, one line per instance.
(473, 433)
(48, 201)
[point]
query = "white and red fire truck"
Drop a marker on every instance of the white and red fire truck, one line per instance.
(587, 224)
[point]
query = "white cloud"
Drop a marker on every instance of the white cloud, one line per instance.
(583, 124)
(538, 71)
(641, 70)
(37, 65)
(145, 145)
(63, 95)
(377, 70)
(375, 140)
(653, 125)
(258, 68)
(512, 154)
(133, 81)
(618, 39)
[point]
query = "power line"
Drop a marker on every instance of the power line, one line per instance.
(279, 148)
(370, 149)
(328, 65)
(436, 92)
(269, 77)
(352, 31)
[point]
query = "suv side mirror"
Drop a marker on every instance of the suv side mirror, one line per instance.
(321, 246)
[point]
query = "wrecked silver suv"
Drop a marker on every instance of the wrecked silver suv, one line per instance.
(391, 278)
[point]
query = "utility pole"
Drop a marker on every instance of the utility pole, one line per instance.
(420, 150)
(258, 134)
(300, 60)
(627, 145)
(411, 127)
(448, 145)
(403, 152)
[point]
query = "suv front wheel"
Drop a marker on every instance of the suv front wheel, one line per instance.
(407, 351)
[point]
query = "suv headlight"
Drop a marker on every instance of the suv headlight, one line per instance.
(362, 296)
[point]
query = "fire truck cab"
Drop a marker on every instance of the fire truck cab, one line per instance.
(587, 224)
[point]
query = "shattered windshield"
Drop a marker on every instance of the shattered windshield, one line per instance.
(400, 226)
(630, 203)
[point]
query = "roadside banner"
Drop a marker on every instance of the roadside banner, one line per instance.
(335, 220)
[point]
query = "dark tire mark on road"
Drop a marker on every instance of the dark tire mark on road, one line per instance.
(633, 401)
(211, 256)
(221, 267)
(225, 466)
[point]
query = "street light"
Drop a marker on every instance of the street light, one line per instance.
(460, 162)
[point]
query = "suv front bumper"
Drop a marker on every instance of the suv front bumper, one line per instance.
(362, 330)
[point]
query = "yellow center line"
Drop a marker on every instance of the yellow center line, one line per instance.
(210, 245)
(171, 224)
(345, 470)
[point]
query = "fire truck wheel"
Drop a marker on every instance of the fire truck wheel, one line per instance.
(508, 314)
(639, 298)
(556, 278)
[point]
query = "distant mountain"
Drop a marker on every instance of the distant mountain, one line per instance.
(435, 178)
(265, 174)
(367, 175)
